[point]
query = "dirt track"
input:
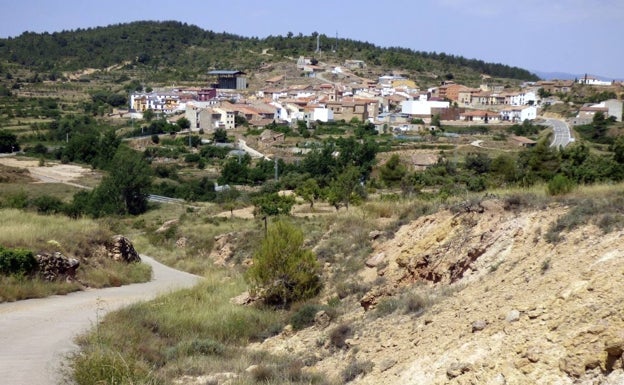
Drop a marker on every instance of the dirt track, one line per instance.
(51, 173)
(37, 334)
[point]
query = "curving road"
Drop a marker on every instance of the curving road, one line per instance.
(37, 334)
(561, 130)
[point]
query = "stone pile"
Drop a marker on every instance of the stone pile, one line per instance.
(121, 250)
(55, 266)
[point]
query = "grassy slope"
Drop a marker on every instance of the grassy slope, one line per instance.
(75, 238)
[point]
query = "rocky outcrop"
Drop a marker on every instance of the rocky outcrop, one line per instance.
(121, 249)
(56, 266)
(223, 250)
(495, 315)
(167, 225)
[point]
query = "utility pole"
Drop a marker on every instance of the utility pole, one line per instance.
(276, 168)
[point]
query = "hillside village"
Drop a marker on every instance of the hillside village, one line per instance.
(443, 245)
(326, 93)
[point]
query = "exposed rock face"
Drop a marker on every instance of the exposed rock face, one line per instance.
(56, 266)
(562, 325)
(121, 249)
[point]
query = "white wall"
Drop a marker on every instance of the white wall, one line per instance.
(323, 114)
(420, 107)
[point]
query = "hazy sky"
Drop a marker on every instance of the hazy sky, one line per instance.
(574, 36)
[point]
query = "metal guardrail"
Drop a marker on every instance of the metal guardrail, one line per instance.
(162, 199)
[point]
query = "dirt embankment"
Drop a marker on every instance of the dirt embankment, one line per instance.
(50, 172)
(508, 307)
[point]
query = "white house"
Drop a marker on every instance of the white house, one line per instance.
(165, 102)
(592, 81)
(322, 114)
(518, 113)
(520, 98)
(422, 107)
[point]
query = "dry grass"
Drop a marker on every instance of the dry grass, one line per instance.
(73, 238)
(15, 288)
(190, 332)
(34, 232)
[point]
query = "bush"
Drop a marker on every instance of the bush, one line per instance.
(18, 200)
(192, 158)
(283, 271)
(387, 305)
(16, 261)
(47, 204)
(559, 185)
(355, 368)
(304, 317)
(339, 335)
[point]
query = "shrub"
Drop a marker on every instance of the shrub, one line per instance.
(545, 265)
(304, 317)
(387, 305)
(262, 373)
(18, 200)
(16, 261)
(206, 347)
(415, 303)
(339, 335)
(47, 204)
(192, 158)
(283, 271)
(355, 368)
(559, 185)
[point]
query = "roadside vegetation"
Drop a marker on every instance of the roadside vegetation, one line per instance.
(23, 234)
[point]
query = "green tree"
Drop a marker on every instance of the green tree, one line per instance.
(542, 93)
(618, 150)
(309, 191)
(8, 141)
(184, 123)
(600, 123)
(148, 115)
(393, 171)
(435, 120)
(342, 190)
(504, 167)
(125, 189)
(478, 162)
(236, 170)
(283, 271)
(220, 136)
(273, 204)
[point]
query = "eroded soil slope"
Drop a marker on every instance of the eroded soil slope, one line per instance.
(507, 307)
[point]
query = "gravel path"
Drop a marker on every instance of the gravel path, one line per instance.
(37, 334)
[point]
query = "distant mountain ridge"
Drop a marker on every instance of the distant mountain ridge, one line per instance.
(568, 76)
(187, 51)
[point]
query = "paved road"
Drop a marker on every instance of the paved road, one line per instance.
(36, 334)
(561, 130)
(242, 144)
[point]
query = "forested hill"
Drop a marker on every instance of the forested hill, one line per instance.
(191, 50)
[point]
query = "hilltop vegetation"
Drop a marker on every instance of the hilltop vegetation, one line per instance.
(185, 52)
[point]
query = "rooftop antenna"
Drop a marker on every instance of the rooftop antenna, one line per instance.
(318, 43)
